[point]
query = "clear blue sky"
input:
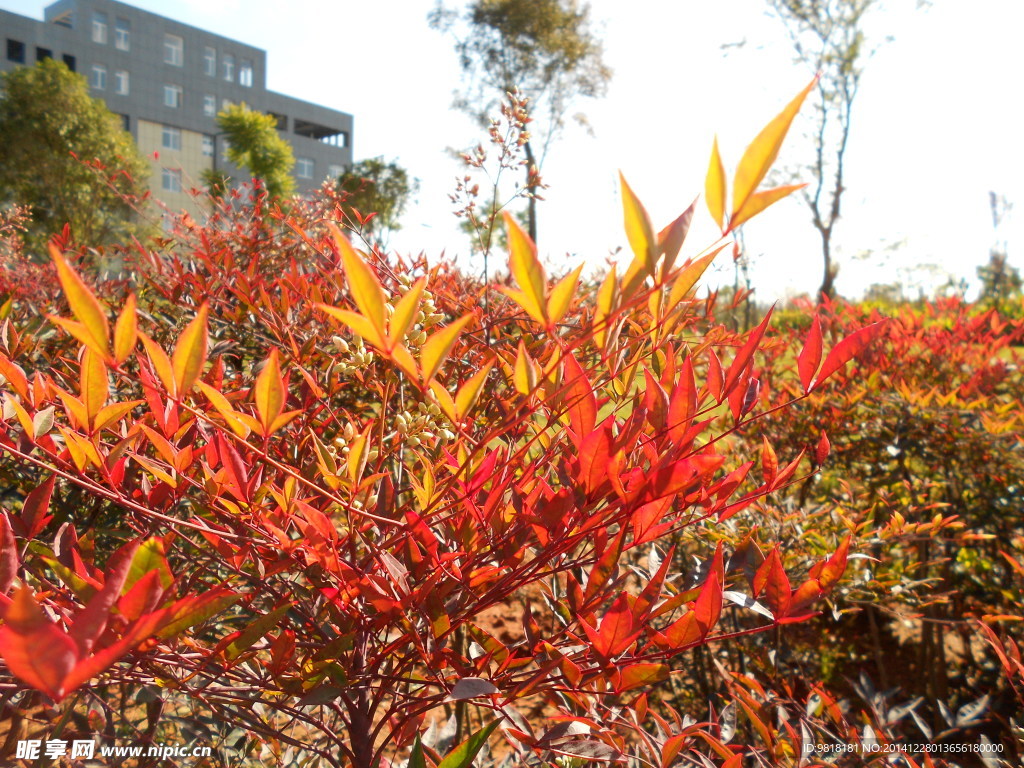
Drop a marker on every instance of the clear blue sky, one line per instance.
(936, 126)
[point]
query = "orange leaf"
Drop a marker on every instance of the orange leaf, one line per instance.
(362, 282)
(358, 324)
(94, 385)
(469, 392)
(758, 201)
(190, 352)
(84, 305)
(671, 238)
(161, 364)
(714, 187)
(759, 156)
(125, 331)
(846, 350)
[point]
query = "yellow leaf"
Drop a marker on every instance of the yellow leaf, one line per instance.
(190, 352)
(561, 295)
(358, 324)
(403, 358)
(325, 461)
(358, 452)
(758, 201)
(161, 364)
(114, 412)
(94, 384)
(362, 282)
(469, 392)
(405, 312)
(84, 305)
(524, 376)
(444, 400)
(758, 157)
(714, 187)
(80, 332)
(75, 408)
(526, 269)
(269, 392)
(71, 440)
(125, 331)
(688, 277)
(151, 467)
(639, 231)
(284, 420)
(436, 348)
(526, 301)
(223, 407)
(606, 297)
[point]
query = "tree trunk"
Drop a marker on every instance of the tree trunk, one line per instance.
(532, 204)
(828, 288)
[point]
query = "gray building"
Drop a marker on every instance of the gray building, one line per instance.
(168, 80)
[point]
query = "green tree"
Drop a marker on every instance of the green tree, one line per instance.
(255, 145)
(543, 48)
(378, 187)
(1000, 282)
(65, 157)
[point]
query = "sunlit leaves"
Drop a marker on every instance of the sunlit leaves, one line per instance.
(715, 187)
(190, 352)
(84, 306)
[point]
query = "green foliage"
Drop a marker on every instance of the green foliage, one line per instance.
(381, 188)
(1000, 282)
(255, 144)
(542, 48)
(64, 156)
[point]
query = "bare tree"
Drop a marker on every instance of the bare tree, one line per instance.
(829, 36)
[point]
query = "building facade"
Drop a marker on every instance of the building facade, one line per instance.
(168, 81)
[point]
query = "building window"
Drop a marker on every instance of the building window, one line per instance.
(207, 146)
(69, 62)
(126, 122)
(229, 67)
(174, 50)
(171, 138)
(99, 28)
(245, 73)
(121, 82)
(99, 77)
(210, 105)
(43, 53)
(210, 62)
(304, 167)
(334, 171)
(172, 96)
(122, 35)
(15, 51)
(170, 180)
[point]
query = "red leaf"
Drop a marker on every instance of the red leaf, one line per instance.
(35, 649)
(739, 364)
(90, 623)
(655, 400)
(618, 630)
(35, 511)
(708, 606)
(683, 403)
(580, 397)
(822, 449)
(810, 355)
(715, 376)
(846, 350)
(771, 579)
(8, 554)
(834, 568)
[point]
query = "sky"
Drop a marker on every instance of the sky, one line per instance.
(936, 126)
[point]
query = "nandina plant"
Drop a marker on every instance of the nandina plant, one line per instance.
(285, 481)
